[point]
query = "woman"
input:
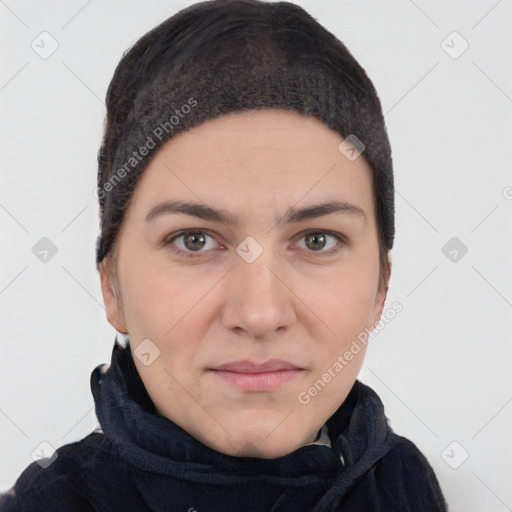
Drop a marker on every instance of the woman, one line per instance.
(247, 216)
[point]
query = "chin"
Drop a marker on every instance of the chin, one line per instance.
(259, 440)
(260, 448)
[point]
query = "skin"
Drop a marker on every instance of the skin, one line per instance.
(293, 302)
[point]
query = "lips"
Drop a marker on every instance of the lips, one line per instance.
(246, 366)
(257, 377)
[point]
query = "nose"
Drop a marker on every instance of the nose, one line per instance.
(259, 301)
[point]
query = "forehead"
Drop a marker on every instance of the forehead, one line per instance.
(255, 159)
(278, 128)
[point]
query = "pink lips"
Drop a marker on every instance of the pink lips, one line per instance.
(250, 376)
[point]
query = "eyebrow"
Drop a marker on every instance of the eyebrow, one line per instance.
(292, 215)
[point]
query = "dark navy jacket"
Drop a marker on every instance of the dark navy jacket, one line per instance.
(141, 461)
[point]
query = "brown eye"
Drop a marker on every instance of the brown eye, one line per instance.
(191, 243)
(194, 241)
(319, 241)
(315, 240)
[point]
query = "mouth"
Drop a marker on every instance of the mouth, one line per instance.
(251, 376)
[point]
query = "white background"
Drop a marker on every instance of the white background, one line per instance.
(441, 367)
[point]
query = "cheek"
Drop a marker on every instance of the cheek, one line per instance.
(145, 299)
(161, 302)
(346, 299)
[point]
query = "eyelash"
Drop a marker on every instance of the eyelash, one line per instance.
(168, 242)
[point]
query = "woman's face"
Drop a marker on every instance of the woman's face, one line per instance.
(282, 280)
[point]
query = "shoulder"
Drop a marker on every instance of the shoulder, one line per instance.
(408, 472)
(410, 460)
(70, 482)
(402, 481)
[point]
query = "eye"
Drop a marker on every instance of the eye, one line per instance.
(318, 240)
(192, 241)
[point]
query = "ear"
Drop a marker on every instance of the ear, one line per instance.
(113, 305)
(380, 298)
